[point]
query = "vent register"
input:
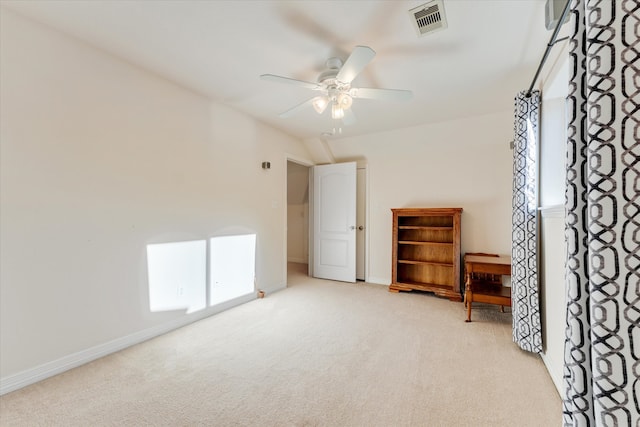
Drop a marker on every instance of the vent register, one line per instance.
(429, 17)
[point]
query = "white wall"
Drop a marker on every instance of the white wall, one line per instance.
(99, 159)
(462, 163)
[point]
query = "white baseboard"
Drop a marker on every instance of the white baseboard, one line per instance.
(30, 376)
(556, 376)
(297, 260)
(275, 288)
(378, 281)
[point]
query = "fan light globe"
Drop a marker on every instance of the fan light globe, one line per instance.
(345, 101)
(336, 111)
(320, 104)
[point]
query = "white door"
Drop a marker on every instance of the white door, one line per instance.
(334, 223)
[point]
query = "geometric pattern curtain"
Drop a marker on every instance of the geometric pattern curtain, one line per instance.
(601, 383)
(525, 299)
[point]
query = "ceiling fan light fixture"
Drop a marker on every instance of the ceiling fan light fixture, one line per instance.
(336, 111)
(320, 104)
(334, 85)
(345, 101)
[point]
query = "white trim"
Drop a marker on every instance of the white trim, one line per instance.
(367, 230)
(552, 373)
(298, 260)
(299, 160)
(278, 288)
(304, 162)
(555, 211)
(363, 165)
(30, 376)
(310, 236)
(378, 281)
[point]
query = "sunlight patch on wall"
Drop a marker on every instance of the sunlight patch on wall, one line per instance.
(232, 267)
(177, 276)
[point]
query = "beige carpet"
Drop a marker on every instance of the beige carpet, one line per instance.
(319, 353)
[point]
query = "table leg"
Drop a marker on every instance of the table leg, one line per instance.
(468, 297)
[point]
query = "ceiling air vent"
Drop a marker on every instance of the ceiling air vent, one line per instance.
(429, 17)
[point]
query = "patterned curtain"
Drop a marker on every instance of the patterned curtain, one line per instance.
(524, 225)
(602, 364)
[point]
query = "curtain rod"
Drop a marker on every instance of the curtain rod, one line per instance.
(552, 42)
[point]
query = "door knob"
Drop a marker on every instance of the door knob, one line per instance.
(361, 228)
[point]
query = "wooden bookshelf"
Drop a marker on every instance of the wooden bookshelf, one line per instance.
(426, 251)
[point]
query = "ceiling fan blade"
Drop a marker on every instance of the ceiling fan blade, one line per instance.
(384, 94)
(287, 80)
(349, 117)
(292, 111)
(355, 63)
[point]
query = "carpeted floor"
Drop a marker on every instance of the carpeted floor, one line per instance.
(319, 353)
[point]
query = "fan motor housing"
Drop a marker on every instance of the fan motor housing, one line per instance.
(327, 74)
(333, 68)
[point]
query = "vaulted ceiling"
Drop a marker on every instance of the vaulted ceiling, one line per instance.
(489, 51)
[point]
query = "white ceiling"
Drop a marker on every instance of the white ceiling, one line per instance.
(218, 48)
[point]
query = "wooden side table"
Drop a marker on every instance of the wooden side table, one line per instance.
(480, 291)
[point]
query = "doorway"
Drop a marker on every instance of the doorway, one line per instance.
(297, 213)
(298, 237)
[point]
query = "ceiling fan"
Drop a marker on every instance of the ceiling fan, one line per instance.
(334, 87)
